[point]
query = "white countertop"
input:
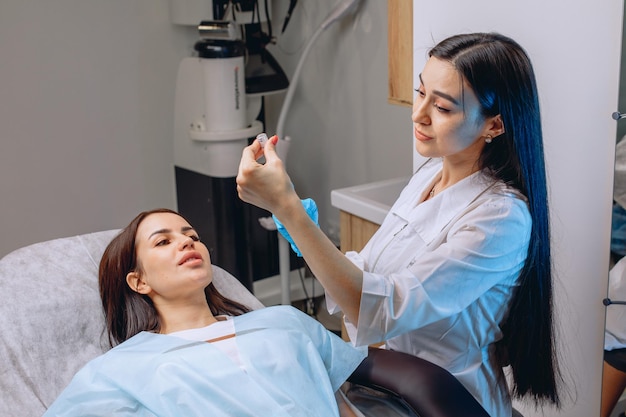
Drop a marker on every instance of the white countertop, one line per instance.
(369, 201)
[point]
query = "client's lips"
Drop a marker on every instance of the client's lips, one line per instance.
(190, 257)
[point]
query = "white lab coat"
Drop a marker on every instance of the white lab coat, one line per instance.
(439, 275)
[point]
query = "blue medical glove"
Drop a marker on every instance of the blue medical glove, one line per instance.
(311, 209)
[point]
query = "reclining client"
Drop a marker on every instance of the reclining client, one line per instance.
(183, 349)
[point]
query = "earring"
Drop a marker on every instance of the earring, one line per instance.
(488, 139)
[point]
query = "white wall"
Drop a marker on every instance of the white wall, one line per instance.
(86, 114)
(575, 48)
(343, 130)
(87, 98)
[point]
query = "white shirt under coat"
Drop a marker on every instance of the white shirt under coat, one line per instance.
(439, 275)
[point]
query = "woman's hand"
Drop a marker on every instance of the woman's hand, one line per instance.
(268, 185)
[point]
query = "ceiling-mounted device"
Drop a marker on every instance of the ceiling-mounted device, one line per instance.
(247, 20)
(219, 92)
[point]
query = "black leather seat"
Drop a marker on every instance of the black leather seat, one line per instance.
(421, 387)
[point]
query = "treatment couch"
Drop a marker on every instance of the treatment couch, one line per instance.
(51, 324)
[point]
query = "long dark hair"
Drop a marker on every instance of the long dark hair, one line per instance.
(128, 312)
(501, 75)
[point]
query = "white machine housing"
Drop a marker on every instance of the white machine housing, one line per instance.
(212, 122)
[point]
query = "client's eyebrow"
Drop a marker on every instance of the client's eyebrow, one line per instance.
(441, 93)
(183, 229)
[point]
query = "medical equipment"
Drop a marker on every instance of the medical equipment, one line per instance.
(219, 93)
(208, 146)
(341, 10)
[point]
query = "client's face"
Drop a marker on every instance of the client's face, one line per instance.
(172, 262)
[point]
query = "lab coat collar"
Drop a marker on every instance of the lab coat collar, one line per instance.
(430, 217)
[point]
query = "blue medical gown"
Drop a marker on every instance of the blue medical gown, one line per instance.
(291, 367)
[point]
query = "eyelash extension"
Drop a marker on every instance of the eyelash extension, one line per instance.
(194, 237)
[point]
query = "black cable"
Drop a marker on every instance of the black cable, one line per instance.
(306, 294)
(309, 301)
(292, 5)
(269, 21)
